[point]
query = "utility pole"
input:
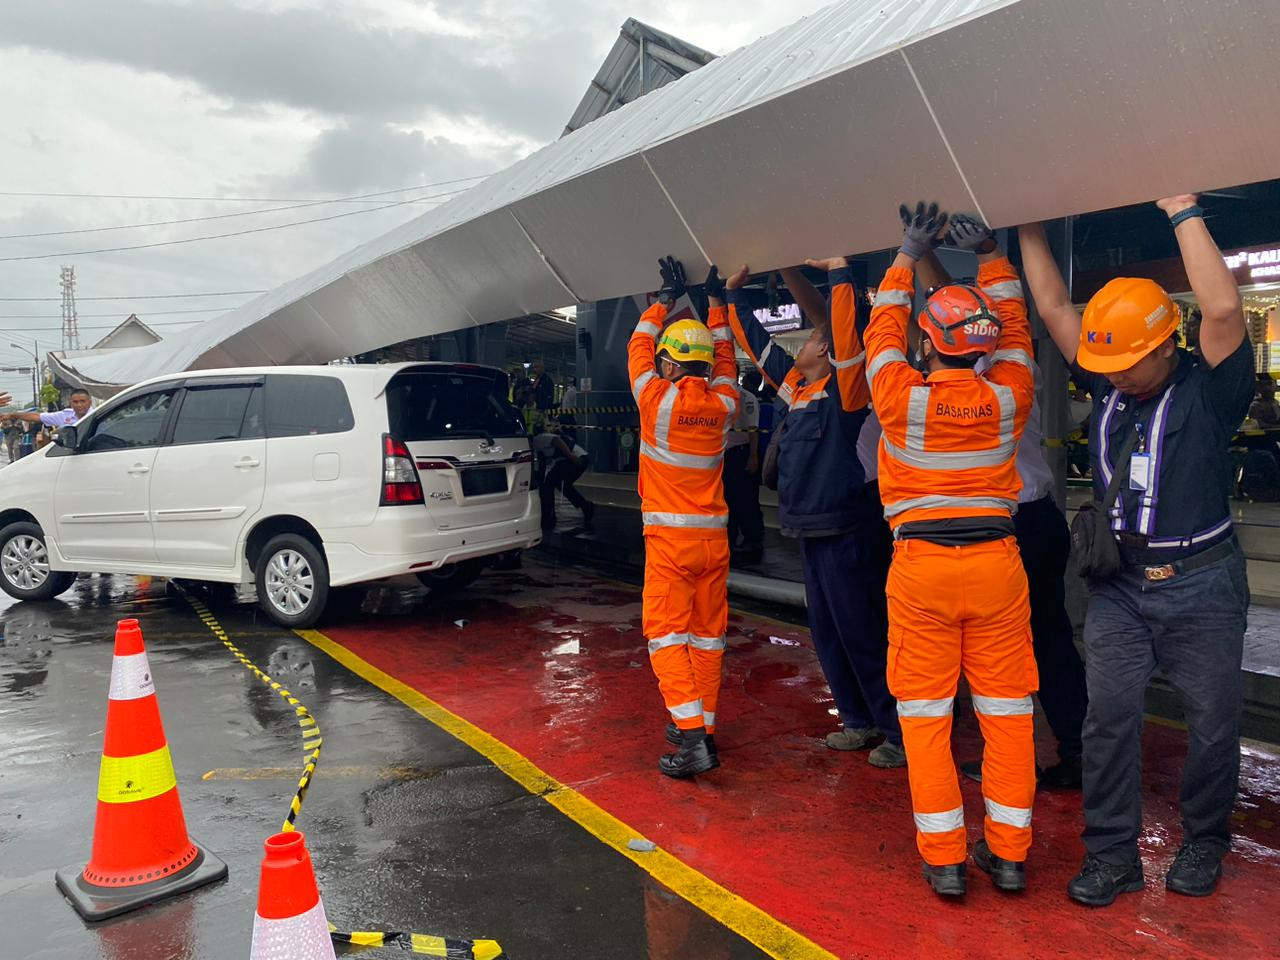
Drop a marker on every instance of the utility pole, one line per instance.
(70, 323)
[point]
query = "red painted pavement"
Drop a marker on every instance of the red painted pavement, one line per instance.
(553, 664)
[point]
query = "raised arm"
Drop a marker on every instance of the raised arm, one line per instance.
(642, 368)
(772, 361)
(1222, 325)
(811, 303)
(848, 356)
(724, 368)
(1053, 301)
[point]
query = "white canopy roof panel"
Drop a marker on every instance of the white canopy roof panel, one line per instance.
(800, 144)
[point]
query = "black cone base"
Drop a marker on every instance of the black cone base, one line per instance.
(93, 902)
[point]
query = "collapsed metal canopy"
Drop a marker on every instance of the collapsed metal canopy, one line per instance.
(800, 144)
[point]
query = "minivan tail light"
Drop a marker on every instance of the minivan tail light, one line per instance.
(400, 483)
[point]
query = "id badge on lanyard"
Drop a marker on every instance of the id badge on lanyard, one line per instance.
(1140, 464)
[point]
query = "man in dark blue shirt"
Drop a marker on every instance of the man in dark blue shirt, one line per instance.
(1181, 598)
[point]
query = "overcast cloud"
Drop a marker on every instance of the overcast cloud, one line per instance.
(272, 98)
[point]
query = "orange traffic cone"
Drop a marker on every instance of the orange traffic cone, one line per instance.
(290, 920)
(141, 851)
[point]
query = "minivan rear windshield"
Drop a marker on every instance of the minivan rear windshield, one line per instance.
(450, 405)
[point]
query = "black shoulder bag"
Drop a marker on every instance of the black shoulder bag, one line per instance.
(1095, 547)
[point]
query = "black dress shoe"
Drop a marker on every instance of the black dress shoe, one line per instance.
(1007, 875)
(691, 758)
(947, 881)
(1066, 774)
(674, 737)
(1099, 883)
(1195, 870)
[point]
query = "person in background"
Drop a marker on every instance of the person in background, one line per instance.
(562, 464)
(1265, 409)
(1163, 419)
(742, 481)
(80, 406)
(568, 403)
(544, 389)
(530, 415)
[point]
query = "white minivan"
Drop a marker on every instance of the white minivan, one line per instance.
(295, 479)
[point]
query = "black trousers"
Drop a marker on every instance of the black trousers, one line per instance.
(742, 495)
(561, 474)
(1045, 544)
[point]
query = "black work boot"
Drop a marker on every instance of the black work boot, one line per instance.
(1098, 882)
(1007, 875)
(947, 881)
(693, 757)
(673, 737)
(1195, 870)
(1066, 774)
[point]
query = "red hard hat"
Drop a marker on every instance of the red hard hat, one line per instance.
(959, 319)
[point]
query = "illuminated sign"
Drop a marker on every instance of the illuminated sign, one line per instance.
(1261, 264)
(787, 318)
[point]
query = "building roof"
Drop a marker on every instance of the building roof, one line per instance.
(642, 60)
(130, 323)
(799, 144)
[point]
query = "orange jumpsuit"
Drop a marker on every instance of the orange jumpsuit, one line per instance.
(683, 427)
(948, 452)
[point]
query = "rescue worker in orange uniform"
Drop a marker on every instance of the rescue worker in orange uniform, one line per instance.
(684, 422)
(957, 590)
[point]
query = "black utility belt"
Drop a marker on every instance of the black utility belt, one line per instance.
(1156, 573)
(957, 531)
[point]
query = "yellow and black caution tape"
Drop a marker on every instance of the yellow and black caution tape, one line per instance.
(635, 427)
(560, 411)
(420, 943)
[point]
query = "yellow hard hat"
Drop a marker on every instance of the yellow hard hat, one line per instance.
(687, 341)
(1123, 322)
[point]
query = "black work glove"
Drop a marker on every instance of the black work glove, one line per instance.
(970, 233)
(920, 229)
(714, 285)
(673, 281)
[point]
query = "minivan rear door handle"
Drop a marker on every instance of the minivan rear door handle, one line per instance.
(138, 469)
(245, 463)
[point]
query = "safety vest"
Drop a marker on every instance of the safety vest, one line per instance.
(950, 441)
(683, 429)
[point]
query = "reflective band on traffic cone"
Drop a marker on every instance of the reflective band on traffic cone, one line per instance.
(290, 923)
(141, 850)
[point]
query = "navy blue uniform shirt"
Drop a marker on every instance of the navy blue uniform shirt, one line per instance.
(1185, 431)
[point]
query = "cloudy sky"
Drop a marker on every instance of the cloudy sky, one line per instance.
(281, 101)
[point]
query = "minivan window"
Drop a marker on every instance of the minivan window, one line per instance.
(301, 405)
(444, 405)
(135, 423)
(211, 413)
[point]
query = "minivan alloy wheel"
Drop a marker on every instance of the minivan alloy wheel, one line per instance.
(25, 562)
(289, 581)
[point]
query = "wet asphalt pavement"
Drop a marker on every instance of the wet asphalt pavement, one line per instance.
(408, 828)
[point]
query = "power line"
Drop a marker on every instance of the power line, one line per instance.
(215, 236)
(18, 331)
(218, 216)
(153, 296)
(132, 196)
(157, 313)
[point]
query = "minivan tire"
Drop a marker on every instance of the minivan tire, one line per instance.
(24, 556)
(292, 580)
(452, 577)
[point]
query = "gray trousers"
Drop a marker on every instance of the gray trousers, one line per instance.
(1192, 627)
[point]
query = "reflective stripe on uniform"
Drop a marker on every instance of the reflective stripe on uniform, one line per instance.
(708, 718)
(1004, 290)
(959, 460)
(706, 643)
(926, 708)
(641, 381)
(662, 423)
(712, 521)
(801, 404)
(1016, 356)
(882, 360)
(892, 298)
(1008, 411)
(673, 459)
(851, 362)
(687, 711)
(942, 822)
(1011, 816)
(724, 382)
(1002, 706)
(648, 327)
(721, 333)
(731, 407)
(936, 501)
(764, 355)
(670, 640)
(917, 415)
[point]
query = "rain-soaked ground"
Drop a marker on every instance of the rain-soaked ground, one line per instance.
(544, 671)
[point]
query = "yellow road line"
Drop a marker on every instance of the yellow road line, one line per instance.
(743, 918)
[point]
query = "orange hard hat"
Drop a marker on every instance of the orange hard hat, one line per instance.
(959, 319)
(1123, 322)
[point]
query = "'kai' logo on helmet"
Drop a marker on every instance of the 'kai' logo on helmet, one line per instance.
(981, 327)
(1093, 337)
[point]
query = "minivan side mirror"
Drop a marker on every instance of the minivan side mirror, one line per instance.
(67, 437)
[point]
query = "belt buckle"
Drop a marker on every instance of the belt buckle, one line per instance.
(1156, 574)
